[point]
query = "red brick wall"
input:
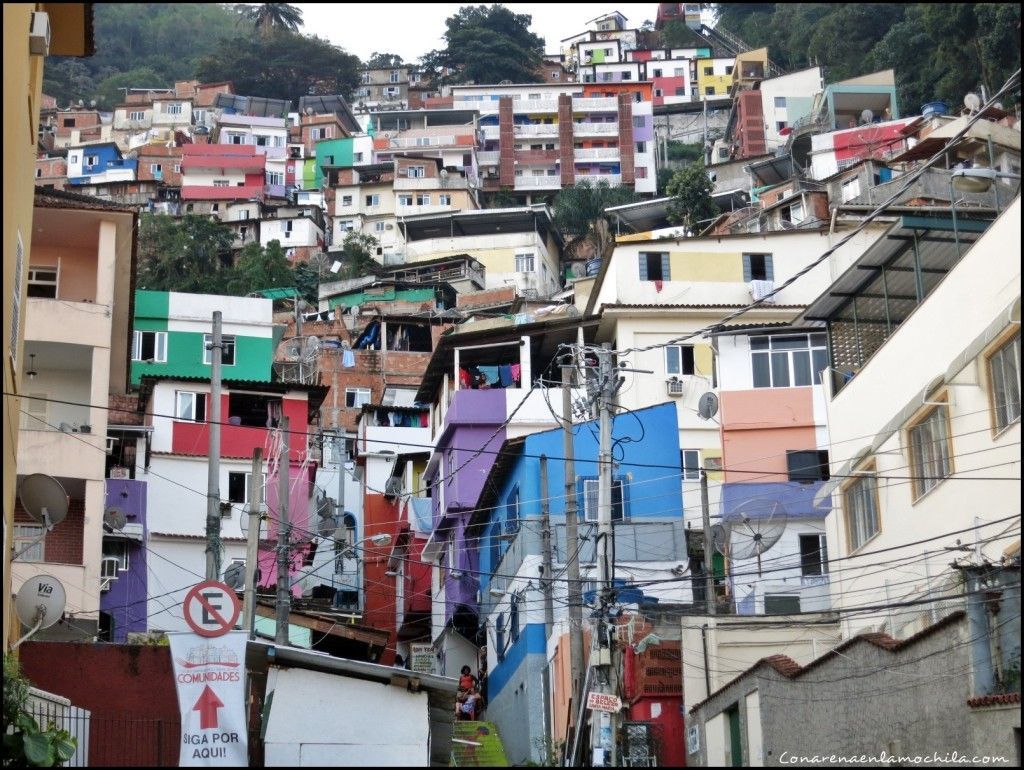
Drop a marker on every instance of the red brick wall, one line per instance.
(63, 545)
(380, 514)
(565, 140)
(626, 148)
(507, 142)
(750, 119)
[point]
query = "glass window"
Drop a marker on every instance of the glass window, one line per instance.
(117, 549)
(372, 200)
(851, 189)
(525, 263)
(691, 464)
(805, 466)
(1004, 383)
(929, 450)
(860, 498)
(423, 199)
(42, 282)
(813, 555)
(512, 510)
(444, 200)
(654, 266)
(149, 347)
(24, 534)
(404, 200)
(356, 397)
(784, 361)
(679, 359)
(227, 351)
(190, 406)
(238, 486)
(590, 500)
(346, 200)
(417, 171)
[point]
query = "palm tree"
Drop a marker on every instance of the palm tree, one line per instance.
(268, 17)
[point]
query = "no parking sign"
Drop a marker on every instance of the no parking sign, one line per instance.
(209, 673)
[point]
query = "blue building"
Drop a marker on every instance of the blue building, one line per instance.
(100, 163)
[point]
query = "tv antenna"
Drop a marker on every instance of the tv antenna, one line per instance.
(707, 406)
(972, 101)
(755, 526)
(39, 604)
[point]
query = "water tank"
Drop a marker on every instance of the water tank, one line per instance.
(933, 108)
(593, 267)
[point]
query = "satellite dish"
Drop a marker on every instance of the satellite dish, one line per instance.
(114, 518)
(44, 499)
(335, 266)
(40, 602)
(327, 526)
(867, 116)
(309, 110)
(720, 538)
(234, 576)
(972, 101)
(707, 406)
(755, 526)
(997, 106)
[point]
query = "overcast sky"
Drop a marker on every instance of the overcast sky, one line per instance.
(412, 29)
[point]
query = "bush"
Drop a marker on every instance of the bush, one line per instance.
(26, 744)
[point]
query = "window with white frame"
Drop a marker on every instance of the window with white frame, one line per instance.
(525, 263)
(199, 117)
(690, 463)
(860, 499)
(423, 199)
(789, 360)
(155, 168)
(177, 168)
(117, 548)
(275, 178)
(174, 108)
(423, 141)
(372, 200)
(417, 172)
(1004, 383)
(380, 227)
(851, 189)
(149, 346)
(813, 555)
(42, 281)
(356, 397)
(591, 501)
(26, 534)
(227, 350)
(346, 200)
(91, 160)
(444, 200)
(395, 76)
(136, 115)
(930, 455)
(221, 183)
(404, 200)
(238, 486)
(189, 405)
(679, 359)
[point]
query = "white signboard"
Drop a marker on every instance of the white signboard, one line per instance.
(603, 701)
(422, 658)
(209, 673)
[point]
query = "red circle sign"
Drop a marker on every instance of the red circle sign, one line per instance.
(211, 608)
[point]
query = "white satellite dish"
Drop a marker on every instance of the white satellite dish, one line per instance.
(867, 116)
(707, 406)
(243, 520)
(754, 527)
(39, 604)
(44, 499)
(114, 518)
(234, 576)
(972, 101)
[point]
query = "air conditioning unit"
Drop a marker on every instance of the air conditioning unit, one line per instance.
(109, 567)
(393, 487)
(132, 530)
(39, 34)
(675, 386)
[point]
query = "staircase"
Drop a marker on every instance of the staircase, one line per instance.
(476, 744)
(734, 45)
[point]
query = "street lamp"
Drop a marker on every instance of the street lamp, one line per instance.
(973, 180)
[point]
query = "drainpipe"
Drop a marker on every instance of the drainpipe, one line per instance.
(707, 669)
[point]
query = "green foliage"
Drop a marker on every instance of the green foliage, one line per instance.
(192, 254)
(487, 44)
(269, 18)
(168, 38)
(26, 744)
(686, 152)
(579, 214)
(382, 60)
(356, 256)
(258, 268)
(675, 34)
(300, 65)
(502, 199)
(692, 205)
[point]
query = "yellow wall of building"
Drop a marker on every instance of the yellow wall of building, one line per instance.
(705, 266)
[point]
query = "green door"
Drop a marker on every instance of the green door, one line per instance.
(735, 744)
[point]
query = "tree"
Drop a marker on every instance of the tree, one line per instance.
(579, 214)
(356, 256)
(258, 268)
(379, 61)
(692, 205)
(271, 17)
(488, 44)
(110, 92)
(300, 65)
(26, 744)
(192, 254)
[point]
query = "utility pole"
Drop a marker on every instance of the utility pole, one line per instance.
(545, 533)
(572, 541)
(603, 737)
(709, 546)
(341, 452)
(213, 468)
(253, 542)
(284, 590)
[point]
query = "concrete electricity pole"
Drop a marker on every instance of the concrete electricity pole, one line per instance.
(545, 533)
(253, 543)
(572, 541)
(709, 546)
(213, 468)
(284, 589)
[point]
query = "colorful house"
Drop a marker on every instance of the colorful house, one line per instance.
(99, 163)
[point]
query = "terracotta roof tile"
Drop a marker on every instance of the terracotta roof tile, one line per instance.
(1000, 699)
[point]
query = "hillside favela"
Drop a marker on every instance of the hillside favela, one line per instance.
(408, 385)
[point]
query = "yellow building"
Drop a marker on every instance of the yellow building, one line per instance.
(69, 28)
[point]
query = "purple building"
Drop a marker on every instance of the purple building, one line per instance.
(123, 573)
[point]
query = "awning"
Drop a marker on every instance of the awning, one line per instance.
(780, 499)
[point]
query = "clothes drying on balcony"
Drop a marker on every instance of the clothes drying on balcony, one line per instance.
(500, 376)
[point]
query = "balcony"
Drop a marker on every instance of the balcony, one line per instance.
(535, 129)
(543, 104)
(596, 153)
(449, 182)
(595, 129)
(596, 104)
(483, 106)
(488, 157)
(424, 141)
(594, 179)
(537, 156)
(491, 132)
(59, 453)
(545, 182)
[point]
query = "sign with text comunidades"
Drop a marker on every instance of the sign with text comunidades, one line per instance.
(209, 673)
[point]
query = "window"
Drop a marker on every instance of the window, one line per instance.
(116, 549)
(380, 227)
(39, 173)
(136, 116)
(155, 168)
(444, 200)
(177, 168)
(24, 534)
(356, 397)
(590, 500)
(781, 604)
(513, 619)
(860, 499)
(641, 146)
(275, 177)
(654, 266)
(709, 90)
(417, 172)
(679, 359)
(851, 189)
(1004, 383)
(728, 69)
(709, 71)
(657, 73)
(795, 213)
(780, 102)
(423, 141)
(423, 199)
(221, 183)
(404, 200)
(813, 555)
(807, 466)
(791, 360)
(199, 117)
(92, 160)
(690, 464)
(262, 141)
(929, 450)
(238, 486)
(627, 75)
(149, 347)
(372, 200)
(357, 157)
(190, 406)
(42, 282)
(346, 200)
(395, 76)
(227, 351)
(173, 108)
(638, 121)
(525, 263)
(757, 267)
(657, 92)
(69, 122)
